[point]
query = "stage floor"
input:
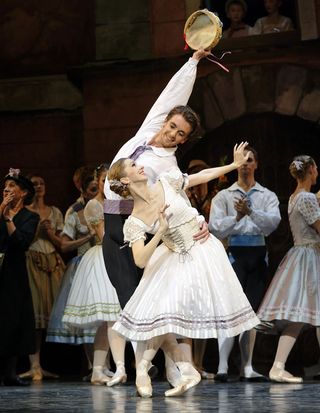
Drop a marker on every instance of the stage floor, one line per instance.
(72, 396)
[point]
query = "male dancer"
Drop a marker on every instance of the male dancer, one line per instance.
(245, 213)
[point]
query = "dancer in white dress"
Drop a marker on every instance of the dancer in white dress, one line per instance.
(293, 297)
(93, 301)
(188, 288)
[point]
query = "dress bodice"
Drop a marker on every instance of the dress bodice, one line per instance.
(93, 214)
(42, 243)
(75, 228)
(182, 218)
(304, 211)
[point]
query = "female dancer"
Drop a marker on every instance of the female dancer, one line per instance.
(93, 301)
(75, 236)
(45, 269)
(293, 298)
(188, 288)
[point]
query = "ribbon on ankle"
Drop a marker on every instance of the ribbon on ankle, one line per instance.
(214, 59)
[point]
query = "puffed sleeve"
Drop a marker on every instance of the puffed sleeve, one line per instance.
(176, 179)
(133, 231)
(93, 212)
(58, 219)
(70, 224)
(308, 206)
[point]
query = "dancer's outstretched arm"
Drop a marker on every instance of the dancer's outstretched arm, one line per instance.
(206, 175)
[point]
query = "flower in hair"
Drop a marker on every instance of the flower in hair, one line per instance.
(14, 172)
(298, 165)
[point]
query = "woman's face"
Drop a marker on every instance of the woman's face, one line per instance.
(91, 190)
(133, 172)
(235, 13)
(101, 182)
(314, 174)
(11, 187)
(39, 186)
(272, 5)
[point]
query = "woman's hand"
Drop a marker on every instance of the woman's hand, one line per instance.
(45, 224)
(6, 204)
(163, 220)
(239, 155)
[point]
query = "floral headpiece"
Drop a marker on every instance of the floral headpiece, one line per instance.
(14, 173)
(298, 165)
(117, 183)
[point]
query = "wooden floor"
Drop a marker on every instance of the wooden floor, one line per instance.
(238, 397)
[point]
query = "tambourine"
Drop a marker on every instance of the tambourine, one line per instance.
(203, 30)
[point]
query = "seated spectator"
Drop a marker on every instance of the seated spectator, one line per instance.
(274, 22)
(236, 11)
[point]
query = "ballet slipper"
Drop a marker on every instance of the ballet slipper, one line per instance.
(282, 376)
(119, 376)
(107, 372)
(190, 376)
(143, 381)
(98, 377)
(176, 391)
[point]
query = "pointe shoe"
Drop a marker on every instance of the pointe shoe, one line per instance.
(35, 374)
(98, 378)
(143, 381)
(283, 376)
(173, 375)
(107, 372)
(189, 375)
(176, 391)
(119, 376)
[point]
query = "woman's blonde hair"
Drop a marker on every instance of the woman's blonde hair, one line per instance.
(115, 173)
(300, 166)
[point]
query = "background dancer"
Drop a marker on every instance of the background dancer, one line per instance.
(293, 299)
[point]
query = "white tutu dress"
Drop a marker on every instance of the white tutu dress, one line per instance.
(187, 288)
(294, 293)
(92, 298)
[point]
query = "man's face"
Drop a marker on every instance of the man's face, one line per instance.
(249, 167)
(235, 13)
(175, 131)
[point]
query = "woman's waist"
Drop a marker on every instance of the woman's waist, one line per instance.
(307, 244)
(42, 245)
(180, 238)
